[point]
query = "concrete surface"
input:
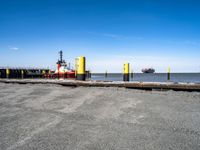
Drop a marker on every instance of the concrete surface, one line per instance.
(54, 117)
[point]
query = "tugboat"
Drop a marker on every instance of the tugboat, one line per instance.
(148, 70)
(63, 71)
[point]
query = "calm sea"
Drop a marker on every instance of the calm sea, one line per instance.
(148, 77)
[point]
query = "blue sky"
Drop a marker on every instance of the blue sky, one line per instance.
(146, 33)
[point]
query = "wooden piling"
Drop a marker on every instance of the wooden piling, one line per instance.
(168, 74)
(106, 74)
(132, 74)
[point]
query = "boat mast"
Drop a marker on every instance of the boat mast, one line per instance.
(61, 55)
(61, 61)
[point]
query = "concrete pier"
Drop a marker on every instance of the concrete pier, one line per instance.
(54, 117)
(134, 85)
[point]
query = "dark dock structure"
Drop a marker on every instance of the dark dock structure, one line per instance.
(17, 73)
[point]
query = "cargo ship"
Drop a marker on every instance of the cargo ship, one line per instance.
(148, 70)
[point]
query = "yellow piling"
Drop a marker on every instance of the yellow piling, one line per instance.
(43, 72)
(22, 74)
(81, 68)
(126, 72)
(7, 73)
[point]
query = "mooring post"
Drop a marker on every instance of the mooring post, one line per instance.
(126, 72)
(43, 73)
(7, 73)
(49, 74)
(90, 74)
(106, 74)
(81, 68)
(22, 74)
(168, 73)
(132, 74)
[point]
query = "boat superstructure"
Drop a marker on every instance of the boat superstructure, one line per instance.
(63, 70)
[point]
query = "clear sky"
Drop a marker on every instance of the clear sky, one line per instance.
(146, 33)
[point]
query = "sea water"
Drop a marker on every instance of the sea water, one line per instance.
(150, 77)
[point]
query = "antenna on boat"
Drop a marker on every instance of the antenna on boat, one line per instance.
(61, 61)
(61, 55)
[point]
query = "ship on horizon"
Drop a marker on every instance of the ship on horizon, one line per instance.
(148, 70)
